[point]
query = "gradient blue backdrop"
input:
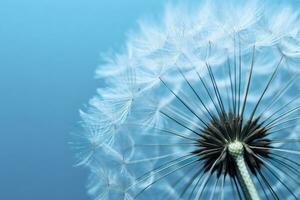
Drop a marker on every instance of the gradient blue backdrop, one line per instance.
(49, 50)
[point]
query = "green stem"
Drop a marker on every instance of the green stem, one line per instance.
(236, 150)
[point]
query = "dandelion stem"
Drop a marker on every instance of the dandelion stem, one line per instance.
(236, 150)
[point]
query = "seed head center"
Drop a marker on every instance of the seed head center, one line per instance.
(236, 148)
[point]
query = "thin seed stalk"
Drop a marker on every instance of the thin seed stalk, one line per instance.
(236, 150)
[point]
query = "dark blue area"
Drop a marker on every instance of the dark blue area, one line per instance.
(49, 50)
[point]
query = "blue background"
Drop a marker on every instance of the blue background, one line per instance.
(49, 50)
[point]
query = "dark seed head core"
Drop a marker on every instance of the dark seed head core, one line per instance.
(212, 145)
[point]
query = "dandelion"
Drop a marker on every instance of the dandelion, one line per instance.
(204, 105)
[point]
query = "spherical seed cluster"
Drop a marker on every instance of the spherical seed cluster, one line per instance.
(185, 88)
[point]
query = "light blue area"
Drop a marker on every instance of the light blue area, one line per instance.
(49, 50)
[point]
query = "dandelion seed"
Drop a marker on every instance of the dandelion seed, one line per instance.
(204, 105)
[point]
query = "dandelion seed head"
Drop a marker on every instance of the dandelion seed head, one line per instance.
(189, 95)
